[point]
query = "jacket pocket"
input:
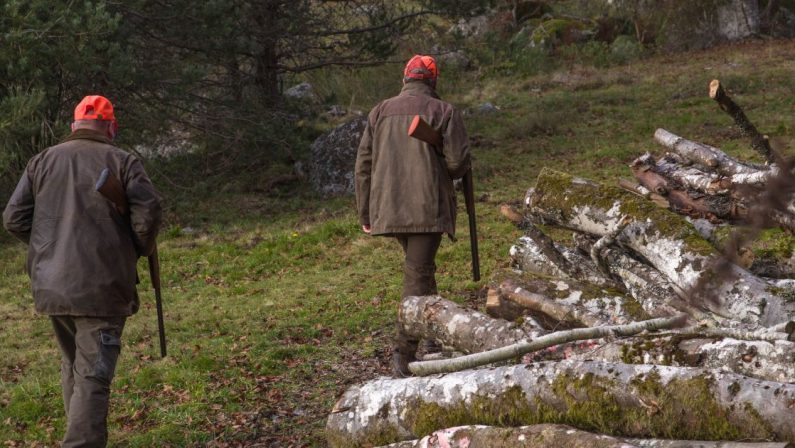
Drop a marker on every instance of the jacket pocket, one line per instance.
(109, 349)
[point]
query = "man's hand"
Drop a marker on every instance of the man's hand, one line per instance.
(366, 229)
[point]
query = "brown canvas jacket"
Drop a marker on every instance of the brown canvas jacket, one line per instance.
(404, 185)
(81, 253)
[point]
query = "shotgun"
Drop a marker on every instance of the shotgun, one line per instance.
(421, 130)
(110, 187)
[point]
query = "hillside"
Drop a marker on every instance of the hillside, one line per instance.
(276, 303)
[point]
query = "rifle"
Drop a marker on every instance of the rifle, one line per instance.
(421, 130)
(110, 187)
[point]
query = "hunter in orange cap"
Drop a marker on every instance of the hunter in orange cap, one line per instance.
(421, 67)
(404, 187)
(82, 257)
(96, 112)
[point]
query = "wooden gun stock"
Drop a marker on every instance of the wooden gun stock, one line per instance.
(421, 130)
(111, 188)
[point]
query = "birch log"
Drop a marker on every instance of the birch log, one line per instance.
(664, 239)
(468, 331)
(616, 399)
(704, 155)
(771, 361)
(555, 436)
(535, 436)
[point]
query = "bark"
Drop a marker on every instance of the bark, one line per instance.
(603, 243)
(432, 317)
(702, 154)
(691, 204)
(690, 178)
(666, 241)
(558, 436)
(636, 188)
(759, 142)
(618, 399)
(529, 256)
(566, 315)
(521, 348)
(652, 443)
(771, 361)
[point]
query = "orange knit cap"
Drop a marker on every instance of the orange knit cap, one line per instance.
(421, 67)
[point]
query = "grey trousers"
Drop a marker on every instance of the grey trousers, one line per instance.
(419, 277)
(90, 347)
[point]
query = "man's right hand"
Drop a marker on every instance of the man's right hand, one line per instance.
(366, 229)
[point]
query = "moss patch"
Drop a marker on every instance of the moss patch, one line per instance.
(680, 409)
(563, 193)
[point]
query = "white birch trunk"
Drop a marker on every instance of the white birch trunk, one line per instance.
(468, 331)
(666, 240)
(618, 399)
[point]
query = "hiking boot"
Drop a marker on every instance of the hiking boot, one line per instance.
(400, 364)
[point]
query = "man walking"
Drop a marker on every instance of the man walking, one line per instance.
(404, 187)
(82, 257)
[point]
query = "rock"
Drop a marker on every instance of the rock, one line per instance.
(337, 111)
(454, 60)
(738, 19)
(474, 27)
(333, 156)
(487, 109)
(303, 91)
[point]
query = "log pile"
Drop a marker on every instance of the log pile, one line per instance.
(620, 323)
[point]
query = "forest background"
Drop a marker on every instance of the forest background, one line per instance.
(275, 302)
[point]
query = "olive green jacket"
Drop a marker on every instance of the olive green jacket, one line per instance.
(81, 252)
(404, 185)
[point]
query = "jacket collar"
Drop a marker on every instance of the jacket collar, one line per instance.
(88, 134)
(418, 88)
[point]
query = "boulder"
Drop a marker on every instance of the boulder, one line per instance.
(738, 19)
(304, 91)
(333, 156)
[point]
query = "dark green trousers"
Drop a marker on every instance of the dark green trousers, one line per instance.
(90, 347)
(419, 277)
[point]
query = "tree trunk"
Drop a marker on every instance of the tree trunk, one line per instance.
(705, 155)
(558, 436)
(616, 399)
(771, 361)
(664, 239)
(432, 317)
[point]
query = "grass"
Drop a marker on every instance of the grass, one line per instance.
(275, 305)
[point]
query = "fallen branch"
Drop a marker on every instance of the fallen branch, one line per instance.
(557, 338)
(702, 154)
(759, 142)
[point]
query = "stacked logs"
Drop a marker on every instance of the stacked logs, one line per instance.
(636, 332)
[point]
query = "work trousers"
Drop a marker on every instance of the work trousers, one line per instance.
(90, 347)
(419, 277)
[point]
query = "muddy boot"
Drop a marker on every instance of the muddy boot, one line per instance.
(403, 353)
(400, 364)
(429, 346)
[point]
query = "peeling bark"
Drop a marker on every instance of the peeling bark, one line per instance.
(557, 436)
(542, 342)
(618, 399)
(531, 257)
(702, 154)
(432, 317)
(666, 240)
(771, 361)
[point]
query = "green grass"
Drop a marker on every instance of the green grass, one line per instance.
(277, 303)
